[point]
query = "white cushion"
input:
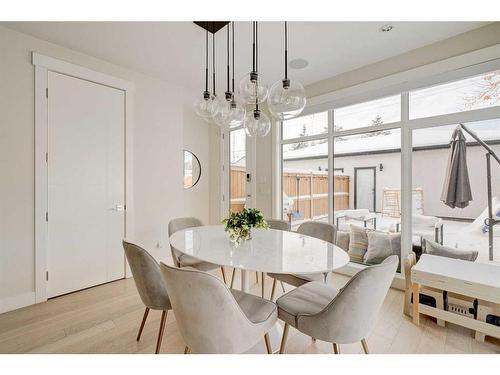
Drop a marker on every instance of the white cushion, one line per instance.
(382, 245)
(434, 248)
(358, 243)
(310, 299)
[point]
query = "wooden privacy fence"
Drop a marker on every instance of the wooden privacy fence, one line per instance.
(305, 192)
(238, 180)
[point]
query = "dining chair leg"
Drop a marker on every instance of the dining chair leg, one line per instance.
(273, 290)
(268, 344)
(336, 348)
(146, 312)
(160, 332)
(263, 278)
(256, 277)
(282, 287)
(232, 277)
(284, 338)
(365, 346)
(187, 350)
(223, 274)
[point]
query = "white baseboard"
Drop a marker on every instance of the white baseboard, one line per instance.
(17, 301)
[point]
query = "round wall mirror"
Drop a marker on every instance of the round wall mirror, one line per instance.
(192, 169)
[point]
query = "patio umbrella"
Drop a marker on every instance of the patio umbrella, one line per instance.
(456, 189)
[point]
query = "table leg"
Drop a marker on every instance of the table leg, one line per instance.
(245, 284)
(416, 303)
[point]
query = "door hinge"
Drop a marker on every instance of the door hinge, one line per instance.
(47, 276)
(47, 92)
(46, 157)
(222, 135)
(223, 197)
(223, 168)
(46, 216)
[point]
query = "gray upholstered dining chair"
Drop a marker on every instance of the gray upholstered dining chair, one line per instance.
(273, 224)
(323, 231)
(340, 316)
(213, 318)
(184, 260)
(149, 284)
(278, 224)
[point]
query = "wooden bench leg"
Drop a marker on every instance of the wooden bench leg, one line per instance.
(480, 336)
(416, 303)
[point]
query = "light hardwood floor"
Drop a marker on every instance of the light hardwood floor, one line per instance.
(105, 319)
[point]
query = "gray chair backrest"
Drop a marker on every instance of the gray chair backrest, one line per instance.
(176, 225)
(278, 224)
(208, 317)
(353, 312)
(323, 231)
(147, 277)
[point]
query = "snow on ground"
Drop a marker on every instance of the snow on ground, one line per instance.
(453, 235)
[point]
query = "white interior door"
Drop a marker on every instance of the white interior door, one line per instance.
(86, 184)
(365, 188)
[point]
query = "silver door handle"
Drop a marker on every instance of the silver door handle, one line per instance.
(118, 207)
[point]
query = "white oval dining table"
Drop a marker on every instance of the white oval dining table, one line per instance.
(269, 250)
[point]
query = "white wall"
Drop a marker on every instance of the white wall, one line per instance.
(163, 122)
(197, 140)
(473, 40)
(264, 176)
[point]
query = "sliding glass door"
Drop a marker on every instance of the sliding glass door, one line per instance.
(237, 170)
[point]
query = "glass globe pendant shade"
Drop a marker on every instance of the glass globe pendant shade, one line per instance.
(286, 99)
(231, 113)
(202, 106)
(214, 105)
(257, 123)
(250, 89)
(222, 114)
(236, 114)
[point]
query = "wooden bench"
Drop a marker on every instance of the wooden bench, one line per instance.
(476, 280)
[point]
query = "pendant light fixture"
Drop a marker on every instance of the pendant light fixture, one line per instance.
(237, 112)
(257, 123)
(220, 117)
(250, 89)
(231, 112)
(214, 103)
(202, 105)
(287, 98)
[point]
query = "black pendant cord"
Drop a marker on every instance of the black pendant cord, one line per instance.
(206, 94)
(256, 47)
(253, 46)
(256, 67)
(213, 62)
(286, 81)
(228, 91)
(286, 51)
(232, 29)
(206, 61)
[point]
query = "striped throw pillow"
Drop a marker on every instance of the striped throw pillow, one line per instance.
(358, 243)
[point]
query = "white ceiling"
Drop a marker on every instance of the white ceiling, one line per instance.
(174, 51)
